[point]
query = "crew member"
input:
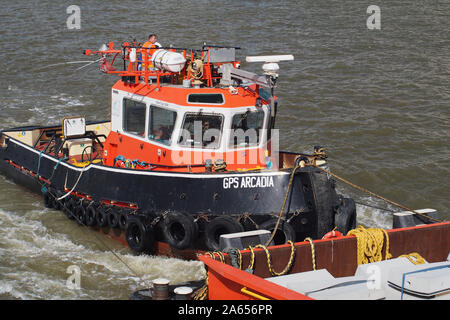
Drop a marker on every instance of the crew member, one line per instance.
(152, 46)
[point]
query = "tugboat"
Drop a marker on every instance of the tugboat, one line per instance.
(190, 153)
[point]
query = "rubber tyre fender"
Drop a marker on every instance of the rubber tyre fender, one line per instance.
(80, 214)
(58, 204)
(48, 201)
(69, 208)
(324, 197)
(113, 218)
(91, 214)
(218, 226)
(180, 230)
(123, 218)
(140, 237)
(285, 231)
(345, 217)
(101, 217)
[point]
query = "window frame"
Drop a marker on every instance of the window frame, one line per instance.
(231, 144)
(124, 118)
(221, 136)
(148, 122)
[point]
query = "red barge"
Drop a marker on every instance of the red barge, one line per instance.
(411, 263)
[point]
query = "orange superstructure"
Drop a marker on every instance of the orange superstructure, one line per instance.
(183, 90)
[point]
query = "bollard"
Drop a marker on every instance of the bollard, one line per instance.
(183, 293)
(160, 289)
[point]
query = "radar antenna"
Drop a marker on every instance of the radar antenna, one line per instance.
(270, 66)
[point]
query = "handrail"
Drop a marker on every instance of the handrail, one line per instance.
(253, 294)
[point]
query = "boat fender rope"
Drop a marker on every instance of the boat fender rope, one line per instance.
(76, 183)
(284, 203)
(269, 259)
(55, 167)
(313, 252)
(39, 164)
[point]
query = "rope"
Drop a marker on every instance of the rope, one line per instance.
(284, 204)
(55, 167)
(418, 259)
(269, 260)
(39, 164)
(374, 207)
(373, 194)
(370, 243)
(202, 293)
(313, 252)
(252, 259)
(76, 183)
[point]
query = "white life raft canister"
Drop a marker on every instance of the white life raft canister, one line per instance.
(168, 60)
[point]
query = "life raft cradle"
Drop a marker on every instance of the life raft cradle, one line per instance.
(132, 74)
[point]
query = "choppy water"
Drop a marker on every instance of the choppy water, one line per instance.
(378, 100)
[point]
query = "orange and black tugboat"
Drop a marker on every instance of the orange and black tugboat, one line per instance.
(190, 153)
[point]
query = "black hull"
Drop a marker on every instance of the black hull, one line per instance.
(250, 198)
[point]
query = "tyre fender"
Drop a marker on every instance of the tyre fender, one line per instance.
(113, 218)
(345, 217)
(69, 208)
(123, 218)
(80, 214)
(180, 230)
(101, 217)
(285, 231)
(91, 214)
(140, 236)
(218, 226)
(48, 201)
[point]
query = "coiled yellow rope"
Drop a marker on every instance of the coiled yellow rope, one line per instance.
(370, 243)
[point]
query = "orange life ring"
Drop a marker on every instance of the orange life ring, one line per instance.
(332, 234)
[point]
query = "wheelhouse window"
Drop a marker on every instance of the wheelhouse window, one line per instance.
(161, 124)
(201, 131)
(245, 128)
(206, 98)
(134, 117)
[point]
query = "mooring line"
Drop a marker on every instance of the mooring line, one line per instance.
(372, 193)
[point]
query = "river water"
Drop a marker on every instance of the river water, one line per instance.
(378, 100)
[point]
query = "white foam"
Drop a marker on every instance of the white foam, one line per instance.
(38, 257)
